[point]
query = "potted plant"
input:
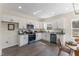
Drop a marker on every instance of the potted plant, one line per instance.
(62, 32)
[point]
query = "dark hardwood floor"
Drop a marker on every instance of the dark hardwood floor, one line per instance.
(39, 48)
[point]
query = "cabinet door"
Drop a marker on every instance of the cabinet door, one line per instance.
(38, 36)
(23, 40)
(47, 37)
(43, 36)
(53, 38)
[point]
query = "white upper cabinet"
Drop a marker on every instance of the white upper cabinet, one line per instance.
(57, 23)
(47, 26)
(36, 25)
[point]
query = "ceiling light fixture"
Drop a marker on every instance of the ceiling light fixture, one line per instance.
(19, 7)
(76, 8)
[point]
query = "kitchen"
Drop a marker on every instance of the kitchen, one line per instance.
(25, 29)
(24, 32)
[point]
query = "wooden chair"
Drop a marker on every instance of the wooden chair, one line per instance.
(77, 40)
(76, 52)
(61, 48)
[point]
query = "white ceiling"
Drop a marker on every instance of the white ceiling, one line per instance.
(42, 10)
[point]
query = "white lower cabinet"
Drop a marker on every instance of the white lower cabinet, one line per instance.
(23, 40)
(46, 36)
(38, 36)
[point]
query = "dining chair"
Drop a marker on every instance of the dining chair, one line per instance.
(62, 48)
(76, 52)
(77, 40)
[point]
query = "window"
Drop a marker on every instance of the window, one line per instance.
(75, 28)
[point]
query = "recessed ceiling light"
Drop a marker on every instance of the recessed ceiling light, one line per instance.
(19, 7)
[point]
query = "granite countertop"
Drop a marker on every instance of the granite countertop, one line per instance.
(59, 33)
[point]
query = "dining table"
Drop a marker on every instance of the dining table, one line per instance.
(73, 49)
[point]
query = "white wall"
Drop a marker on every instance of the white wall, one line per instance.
(67, 27)
(0, 41)
(9, 38)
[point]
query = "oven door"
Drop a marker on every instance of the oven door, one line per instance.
(53, 38)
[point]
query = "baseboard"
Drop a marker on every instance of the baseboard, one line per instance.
(10, 46)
